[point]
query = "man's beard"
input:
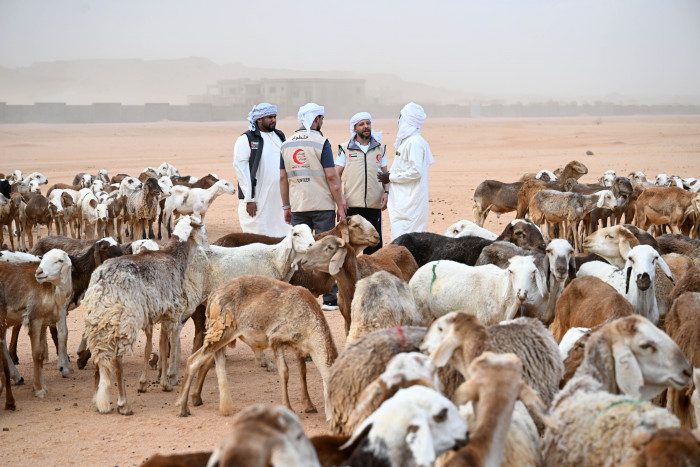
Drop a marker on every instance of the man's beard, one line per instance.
(267, 128)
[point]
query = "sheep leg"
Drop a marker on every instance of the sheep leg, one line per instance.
(122, 404)
(103, 384)
(225, 400)
(174, 352)
(14, 372)
(165, 330)
(146, 357)
(5, 361)
(37, 334)
(306, 399)
(199, 319)
(62, 343)
(283, 372)
(201, 375)
(13, 343)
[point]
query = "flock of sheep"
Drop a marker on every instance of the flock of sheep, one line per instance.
(570, 338)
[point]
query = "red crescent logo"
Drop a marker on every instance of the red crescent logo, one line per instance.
(299, 157)
(379, 158)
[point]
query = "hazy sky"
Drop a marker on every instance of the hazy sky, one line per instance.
(561, 49)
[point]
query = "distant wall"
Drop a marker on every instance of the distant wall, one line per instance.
(115, 112)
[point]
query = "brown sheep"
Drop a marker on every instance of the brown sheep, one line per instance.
(571, 172)
(667, 447)
(666, 205)
(247, 308)
(400, 256)
(9, 213)
(588, 302)
(690, 282)
(683, 325)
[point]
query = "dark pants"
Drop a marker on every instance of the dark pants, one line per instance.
(374, 216)
(318, 221)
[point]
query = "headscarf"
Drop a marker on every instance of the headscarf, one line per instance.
(357, 118)
(258, 111)
(410, 122)
(307, 114)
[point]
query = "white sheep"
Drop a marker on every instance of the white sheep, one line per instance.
(608, 178)
(466, 227)
(570, 339)
(662, 180)
(184, 200)
(93, 215)
(488, 292)
(603, 408)
(636, 281)
(542, 173)
(18, 257)
(412, 428)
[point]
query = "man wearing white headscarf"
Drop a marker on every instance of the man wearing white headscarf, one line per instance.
(255, 160)
(309, 182)
(408, 196)
(358, 162)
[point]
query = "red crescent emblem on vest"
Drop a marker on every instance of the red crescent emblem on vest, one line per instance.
(379, 158)
(299, 157)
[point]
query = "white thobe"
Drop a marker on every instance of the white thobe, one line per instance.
(408, 195)
(269, 219)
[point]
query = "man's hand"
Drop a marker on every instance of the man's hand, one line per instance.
(341, 212)
(252, 208)
(288, 216)
(385, 198)
(383, 177)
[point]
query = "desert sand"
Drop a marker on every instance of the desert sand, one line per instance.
(65, 429)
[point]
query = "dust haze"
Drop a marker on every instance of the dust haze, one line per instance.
(642, 52)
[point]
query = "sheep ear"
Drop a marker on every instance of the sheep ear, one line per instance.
(539, 281)
(345, 232)
(572, 268)
(93, 203)
(360, 433)
(627, 241)
(445, 349)
(664, 267)
(547, 271)
(507, 234)
(601, 200)
(420, 442)
(627, 280)
(337, 261)
(628, 375)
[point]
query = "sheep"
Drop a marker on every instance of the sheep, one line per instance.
(185, 200)
(465, 227)
(83, 264)
(493, 438)
(36, 296)
(5, 358)
(459, 338)
(641, 263)
(608, 178)
(524, 234)
(36, 210)
(427, 246)
(142, 208)
(18, 257)
(613, 243)
(661, 180)
(570, 173)
(588, 302)
(412, 428)
(9, 210)
(67, 213)
(555, 207)
(490, 293)
(658, 206)
(597, 414)
(336, 256)
(246, 308)
(557, 265)
(381, 300)
(83, 180)
(569, 340)
(103, 176)
(93, 215)
(670, 243)
(683, 326)
(131, 293)
(72, 246)
(546, 176)
(492, 195)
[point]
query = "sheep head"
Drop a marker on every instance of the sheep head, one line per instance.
(413, 427)
(54, 266)
(632, 356)
(608, 178)
(326, 255)
(524, 234)
(641, 263)
(452, 331)
(224, 186)
(361, 233)
(560, 261)
(606, 199)
(524, 280)
(612, 243)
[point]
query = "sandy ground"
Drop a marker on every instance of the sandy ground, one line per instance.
(64, 428)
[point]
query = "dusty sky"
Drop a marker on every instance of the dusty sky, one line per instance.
(559, 49)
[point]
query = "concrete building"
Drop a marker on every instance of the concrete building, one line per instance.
(339, 96)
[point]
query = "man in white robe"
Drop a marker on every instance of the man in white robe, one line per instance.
(408, 196)
(256, 157)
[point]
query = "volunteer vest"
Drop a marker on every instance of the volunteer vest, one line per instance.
(308, 188)
(362, 189)
(255, 141)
